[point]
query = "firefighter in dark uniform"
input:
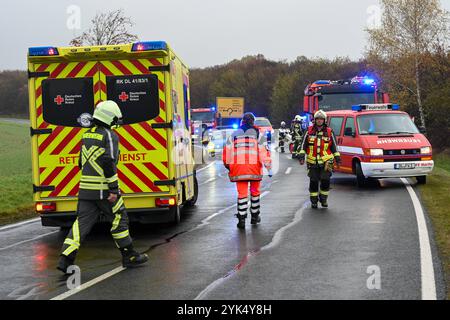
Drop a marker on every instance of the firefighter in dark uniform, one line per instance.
(319, 147)
(297, 135)
(99, 189)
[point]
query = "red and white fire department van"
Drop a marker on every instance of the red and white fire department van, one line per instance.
(380, 141)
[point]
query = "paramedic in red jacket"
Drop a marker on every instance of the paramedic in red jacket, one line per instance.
(244, 155)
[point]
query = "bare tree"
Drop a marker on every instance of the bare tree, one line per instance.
(409, 30)
(107, 29)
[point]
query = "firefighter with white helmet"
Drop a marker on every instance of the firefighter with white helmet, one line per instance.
(282, 133)
(319, 147)
(297, 135)
(99, 189)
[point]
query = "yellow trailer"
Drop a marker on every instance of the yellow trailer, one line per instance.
(151, 85)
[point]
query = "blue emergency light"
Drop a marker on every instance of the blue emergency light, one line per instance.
(235, 126)
(149, 46)
(369, 82)
(322, 82)
(42, 51)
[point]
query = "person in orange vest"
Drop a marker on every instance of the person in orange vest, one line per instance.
(320, 149)
(244, 155)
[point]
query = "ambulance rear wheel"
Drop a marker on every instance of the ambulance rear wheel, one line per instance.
(360, 178)
(421, 179)
(193, 201)
(175, 213)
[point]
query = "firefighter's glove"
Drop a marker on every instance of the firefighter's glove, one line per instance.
(301, 159)
(112, 197)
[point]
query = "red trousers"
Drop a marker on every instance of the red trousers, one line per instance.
(242, 188)
(255, 191)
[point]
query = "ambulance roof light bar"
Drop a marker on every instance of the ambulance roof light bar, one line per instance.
(42, 51)
(376, 107)
(149, 46)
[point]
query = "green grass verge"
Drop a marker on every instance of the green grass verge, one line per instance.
(16, 196)
(436, 197)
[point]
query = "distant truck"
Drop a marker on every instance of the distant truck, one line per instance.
(202, 119)
(330, 95)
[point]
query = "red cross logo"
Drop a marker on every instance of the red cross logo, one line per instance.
(123, 96)
(59, 100)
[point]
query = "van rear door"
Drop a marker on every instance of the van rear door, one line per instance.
(64, 102)
(138, 87)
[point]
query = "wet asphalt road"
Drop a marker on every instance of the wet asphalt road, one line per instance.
(295, 253)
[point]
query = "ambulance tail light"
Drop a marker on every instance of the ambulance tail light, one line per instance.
(149, 46)
(43, 51)
(42, 207)
(165, 202)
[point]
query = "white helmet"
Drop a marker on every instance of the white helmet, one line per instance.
(297, 118)
(320, 114)
(283, 123)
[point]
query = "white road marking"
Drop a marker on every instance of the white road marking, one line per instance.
(89, 284)
(275, 241)
(29, 240)
(209, 165)
(207, 181)
(426, 259)
(288, 170)
(113, 272)
(15, 225)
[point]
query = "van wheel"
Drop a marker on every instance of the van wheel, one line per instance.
(175, 213)
(193, 201)
(421, 179)
(360, 179)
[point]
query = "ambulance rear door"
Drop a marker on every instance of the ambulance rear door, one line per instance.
(64, 98)
(138, 86)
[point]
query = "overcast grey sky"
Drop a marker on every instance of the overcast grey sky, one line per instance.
(202, 32)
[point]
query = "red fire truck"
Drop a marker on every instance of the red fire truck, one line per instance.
(330, 95)
(203, 119)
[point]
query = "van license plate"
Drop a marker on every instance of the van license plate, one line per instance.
(401, 166)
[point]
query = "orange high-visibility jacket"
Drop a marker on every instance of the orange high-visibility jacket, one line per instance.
(244, 155)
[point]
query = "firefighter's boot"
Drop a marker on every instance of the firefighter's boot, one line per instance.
(132, 258)
(314, 202)
(255, 209)
(65, 262)
(324, 201)
(241, 223)
(255, 219)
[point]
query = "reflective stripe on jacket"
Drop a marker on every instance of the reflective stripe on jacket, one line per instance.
(245, 154)
(319, 145)
(98, 163)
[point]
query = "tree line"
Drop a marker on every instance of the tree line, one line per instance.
(408, 54)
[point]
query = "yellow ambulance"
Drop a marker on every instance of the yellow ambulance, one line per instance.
(151, 85)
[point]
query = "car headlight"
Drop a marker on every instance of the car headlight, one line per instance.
(376, 152)
(425, 150)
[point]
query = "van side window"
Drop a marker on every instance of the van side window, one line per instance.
(336, 125)
(350, 127)
(186, 106)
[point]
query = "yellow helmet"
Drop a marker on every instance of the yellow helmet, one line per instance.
(108, 112)
(320, 114)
